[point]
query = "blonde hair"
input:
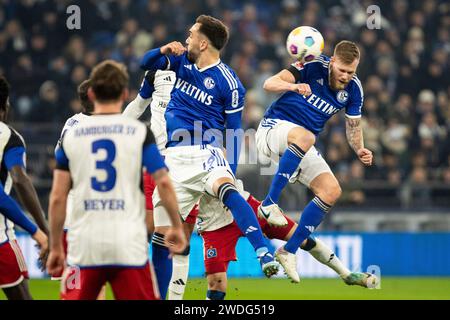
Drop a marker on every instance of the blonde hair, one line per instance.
(347, 51)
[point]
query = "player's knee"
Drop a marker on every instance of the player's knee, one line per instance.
(330, 194)
(186, 251)
(162, 230)
(225, 190)
(303, 138)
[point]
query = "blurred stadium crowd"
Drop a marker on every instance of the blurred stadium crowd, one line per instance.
(404, 71)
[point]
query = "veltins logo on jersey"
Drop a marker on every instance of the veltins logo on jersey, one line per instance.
(342, 96)
(209, 83)
(211, 253)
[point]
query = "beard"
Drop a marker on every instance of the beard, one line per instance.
(334, 83)
(192, 56)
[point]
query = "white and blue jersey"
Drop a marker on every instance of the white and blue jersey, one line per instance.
(105, 155)
(313, 111)
(200, 101)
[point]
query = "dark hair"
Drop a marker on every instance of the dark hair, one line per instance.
(4, 92)
(86, 103)
(214, 30)
(108, 80)
(347, 51)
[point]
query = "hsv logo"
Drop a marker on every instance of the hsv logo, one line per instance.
(211, 253)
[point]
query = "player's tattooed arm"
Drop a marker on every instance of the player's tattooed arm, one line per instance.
(356, 142)
(354, 134)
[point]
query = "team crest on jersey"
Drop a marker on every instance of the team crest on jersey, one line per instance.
(342, 96)
(209, 83)
(211, 253)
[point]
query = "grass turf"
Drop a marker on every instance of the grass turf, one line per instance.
(392, 288)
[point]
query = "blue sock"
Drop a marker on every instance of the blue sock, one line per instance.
(162, 263)
(288, 164)
(215, 295)
(311, 218)
(243, 215)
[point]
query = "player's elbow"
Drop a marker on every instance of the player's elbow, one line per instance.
(268, 84)
(56, 200)
(162, 180)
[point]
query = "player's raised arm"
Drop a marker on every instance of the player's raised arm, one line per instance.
(285, 80)
(137, 107)
(158, 58)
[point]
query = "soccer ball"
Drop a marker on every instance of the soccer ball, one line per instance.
(304, 44)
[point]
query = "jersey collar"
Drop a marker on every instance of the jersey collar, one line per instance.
(208, 67)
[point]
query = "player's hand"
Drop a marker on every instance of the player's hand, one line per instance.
(42, 243)
(55, 263)
(365, 156)
(175, 240)
(173, 48)
(302, 88)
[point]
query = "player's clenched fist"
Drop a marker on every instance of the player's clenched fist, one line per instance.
(302, 88)
(173, 48)
(366, 156)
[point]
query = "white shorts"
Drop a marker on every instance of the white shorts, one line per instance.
(193, 170)
(272, 141)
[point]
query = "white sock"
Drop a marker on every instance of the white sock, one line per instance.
(179, 278)
(324, 255)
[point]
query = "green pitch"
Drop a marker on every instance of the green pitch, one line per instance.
(270, 289)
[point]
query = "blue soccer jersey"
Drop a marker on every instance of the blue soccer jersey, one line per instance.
(313, 111)
(200, 101)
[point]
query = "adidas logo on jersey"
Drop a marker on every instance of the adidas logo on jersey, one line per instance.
(168, 79)
(310, 228)
(189, 66)
(320, 81)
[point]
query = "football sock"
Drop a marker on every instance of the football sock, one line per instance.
(289, 162)
(179, 275)
(162, 263)
(243, 215)
(311, 218)
(215, 295)
(322, 253)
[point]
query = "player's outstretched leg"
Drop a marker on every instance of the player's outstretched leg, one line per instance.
(248, 224)
(322, 253)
